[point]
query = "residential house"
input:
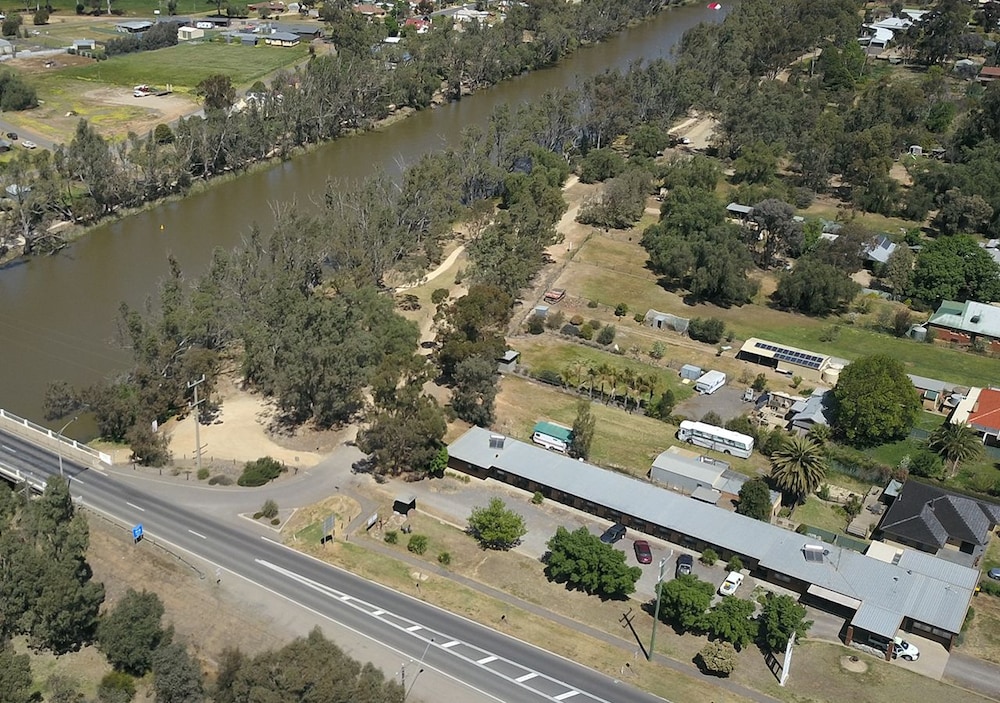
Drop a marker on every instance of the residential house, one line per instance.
(189, 33)
(879, 251)
(370, 11)
(817, 409)
(967, 323)
(980, 409)
(988, 74)
(934, 520)
(282, 39)
(303, 29)
(421, 24)
(133, 26)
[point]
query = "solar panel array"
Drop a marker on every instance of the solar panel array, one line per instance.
(810, 361)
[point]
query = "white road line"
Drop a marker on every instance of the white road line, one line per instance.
(133, 505)
(564, 696)
(449, 645)
(76, 480)
(487, 660)
(414, 628)
(378, 612)
(98, 471)
(345, 598)
(8, 449)
(197, 534)
(527, 677)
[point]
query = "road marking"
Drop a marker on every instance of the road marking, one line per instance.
(133, 505)
(414, 628)
(564, 696)
(527, 677)
(345, 598)
(197, 534)
(8, 449)
(98, 471)
(487, 660)
(449, 645)
(378, 612)
(76, 480)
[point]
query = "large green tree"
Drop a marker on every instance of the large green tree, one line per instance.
(731, 619)
(177, 678)
(474, 391)
(815, 288)
(583, 431)
(798, 467)
(781, 616)
(130, 633)
(582, 561)
(955, 268)
(496, 526)
(874, 401)
(955, 442)
(755, 500)
(15, 676)
(684, 600)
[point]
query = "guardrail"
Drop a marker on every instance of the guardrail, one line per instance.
(11, 420)
(19, 478)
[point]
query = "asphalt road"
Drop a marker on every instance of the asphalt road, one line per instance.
(490, 663)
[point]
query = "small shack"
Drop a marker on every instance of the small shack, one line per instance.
(189, 33)
(552, 436)
(665, 321)
(84, 45)
(404, 503)
(508, 362)
(691, 372)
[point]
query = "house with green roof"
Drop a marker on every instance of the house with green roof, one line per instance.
(967, 323)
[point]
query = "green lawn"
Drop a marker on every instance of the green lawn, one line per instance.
(185, 65)
(823, 515)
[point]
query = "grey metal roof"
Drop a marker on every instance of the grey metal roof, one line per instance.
(970, 316)
(282, 36)
(741, 209)
(922, 383)
(927, 598)
(873, 618)
(931, 515)
(703, 472)
(706, 495)
(880, 250)
(813, 410)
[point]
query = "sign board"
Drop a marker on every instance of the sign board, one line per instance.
(328, 528)
(371, 521)
(137, 532)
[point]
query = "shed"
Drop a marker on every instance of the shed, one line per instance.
(541, 310)
(84, 44)
(282, 39)
(508, 362)
(189, 33)
(133, 27)
(691, 372)
(6, 47)
(665, 321)
(404, 503)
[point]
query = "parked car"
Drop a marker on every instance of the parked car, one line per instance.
(12, 136)
(905, 650)
(643, 554)
(613, 533)
(731, 583)
(685, 563)
(28, 144)
(994, 573)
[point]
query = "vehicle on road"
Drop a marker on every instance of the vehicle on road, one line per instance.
(731, 583)
(685, 564)
(994, 573)
(28, 144)
(12, 136)
(643, 554)
(717, 438)
(613, 534)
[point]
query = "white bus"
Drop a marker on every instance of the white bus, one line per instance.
(712, 437)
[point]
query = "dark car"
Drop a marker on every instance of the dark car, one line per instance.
(643, 554)
(12, 135)
(685, 563)
(613, 533)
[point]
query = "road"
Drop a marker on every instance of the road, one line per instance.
(491, 664)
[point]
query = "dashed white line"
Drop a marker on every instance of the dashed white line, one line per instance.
(97, 471)
(487, 660)
(133, 505)
(414, 628)
(378, 612)
(527, 677)
(449, 645)
(344, 598)
(564, 696)
(8, 449)
(197, 534)
(76, 480)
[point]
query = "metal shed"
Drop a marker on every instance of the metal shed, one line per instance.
(691, 372)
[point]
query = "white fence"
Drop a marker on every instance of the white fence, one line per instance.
(31, 431)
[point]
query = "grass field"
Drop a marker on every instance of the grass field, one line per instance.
(185, 65)
(818, 513)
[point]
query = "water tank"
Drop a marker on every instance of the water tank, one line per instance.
(832, 374)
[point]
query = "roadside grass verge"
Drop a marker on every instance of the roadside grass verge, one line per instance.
(184, 66)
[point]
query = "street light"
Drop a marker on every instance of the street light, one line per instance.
(402, 671)
(60, 433)
(656, 609)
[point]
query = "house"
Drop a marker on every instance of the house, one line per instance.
(304, 30)
(665, 321)
(469, 14)
(988, 74)
(817, 409)
(189, 33)
(83, 45)
(701, 477)
(370, 11)
(935, 520)
(282, 39)
(739, 212)
(267, 6)
(421, 24)
(980, 409)
(967, 323)
(879, 251)
(786, 359)
(879, 597)
(133, 27)
(552, 436)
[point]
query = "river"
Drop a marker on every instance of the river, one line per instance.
(58, 313)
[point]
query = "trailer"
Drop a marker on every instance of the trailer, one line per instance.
(710, 382)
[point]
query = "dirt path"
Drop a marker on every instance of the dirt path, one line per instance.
(444, 266)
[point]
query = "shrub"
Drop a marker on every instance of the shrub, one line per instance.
(759, 383)
(391, 537)
(734, 564)
(439, 296)
(276, 521)
(163, 134)
(555, 320)
(220, 480)
(444, 558)
(709, 557)
(639, 317)
(587, 332)
(592, 303)
(990, 587)
(576, 320)
(203, 473)
(258, 515)
(824, 492)
(717, 658)
(417, 544)
(116, 687)
(708, 330)
(549, 376)
(538, 498)
(269, 509)
(621, 310)
(260, 471)
(41, 17)
(607, 335)
(536, 324)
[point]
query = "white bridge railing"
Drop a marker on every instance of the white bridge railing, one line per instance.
(31, 430)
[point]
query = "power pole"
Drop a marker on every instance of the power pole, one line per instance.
(656, 610)
(194, 406)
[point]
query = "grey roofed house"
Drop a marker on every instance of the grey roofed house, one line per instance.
(817, 409)
(303, 29)
(884, 594)
(242, 37)
(880, 250)
(739, 210)
(931, 519)
(133, 26)
(84, 44)
(970, 317)
(283, 37)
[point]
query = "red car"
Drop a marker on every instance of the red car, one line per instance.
(643, 554)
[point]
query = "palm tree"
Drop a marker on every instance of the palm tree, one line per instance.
(628, 377)
(798, 467)
(592, 373)
(955, 442)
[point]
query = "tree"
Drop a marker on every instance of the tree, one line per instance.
(899, 271)
(129, 634)
(776, 233)
(798, 467)
(955, 442)
(926, 464)
(684, 600)
(718, 658)
(583, 431)
(496, 526)
(474, 393)
(955, 268)
(177, 678)
(116, 687)
(708, 329)
(217, 92)
(874, 401)
(815, 288)
(781, 616)
(731, 619)
(582, 561)
(755, 500)
(15, 675)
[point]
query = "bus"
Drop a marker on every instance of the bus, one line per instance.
(712, 437)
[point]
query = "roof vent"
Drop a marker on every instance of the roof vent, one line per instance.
(496, 441)
(975, 319)
(814, 552)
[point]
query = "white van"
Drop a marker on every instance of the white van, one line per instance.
(710, 382)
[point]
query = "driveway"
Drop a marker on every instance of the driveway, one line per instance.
(727, 403)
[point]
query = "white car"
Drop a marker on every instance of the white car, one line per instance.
(731, 583)
(905, 650)
(27, 144)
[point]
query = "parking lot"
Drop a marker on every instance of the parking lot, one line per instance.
(727, 403)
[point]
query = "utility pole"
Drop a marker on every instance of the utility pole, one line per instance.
(656, 609)
(194, 406)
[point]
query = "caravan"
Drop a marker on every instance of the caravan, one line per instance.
(710, 382)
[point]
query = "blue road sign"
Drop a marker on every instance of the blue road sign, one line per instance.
(137, 532)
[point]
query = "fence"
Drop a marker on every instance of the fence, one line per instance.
(833, 538)
(20, 424)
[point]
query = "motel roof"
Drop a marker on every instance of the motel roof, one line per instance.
(887, 592)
